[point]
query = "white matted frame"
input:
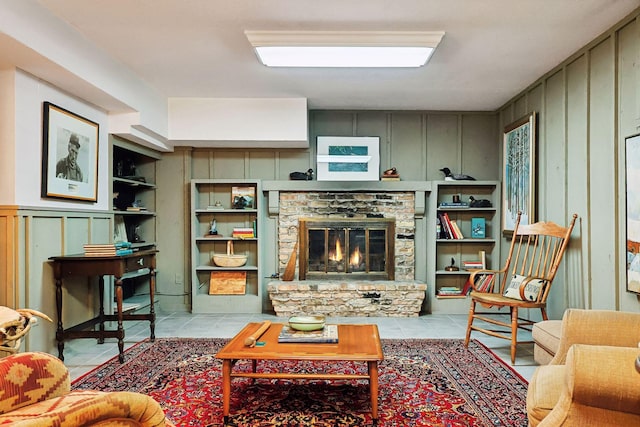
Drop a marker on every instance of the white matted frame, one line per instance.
(519, 173)
(348, 158)
(69, 155)
(632, 174)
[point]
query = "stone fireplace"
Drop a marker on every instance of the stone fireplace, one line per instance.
(377, 224)
(346, 248)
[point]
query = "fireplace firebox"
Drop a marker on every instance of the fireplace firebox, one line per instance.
(346, 248)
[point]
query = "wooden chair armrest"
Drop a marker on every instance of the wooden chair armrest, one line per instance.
(475, 273)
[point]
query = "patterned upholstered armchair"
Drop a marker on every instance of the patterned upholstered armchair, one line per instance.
(35, 392)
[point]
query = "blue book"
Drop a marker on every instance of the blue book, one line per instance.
(478, 228)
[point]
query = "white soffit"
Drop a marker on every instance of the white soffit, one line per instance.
(238, 122)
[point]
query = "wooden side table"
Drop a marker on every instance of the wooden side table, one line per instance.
(117, 266)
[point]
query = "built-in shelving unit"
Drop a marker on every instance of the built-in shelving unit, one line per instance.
(212, 200)
(133, 205)
(468, 248)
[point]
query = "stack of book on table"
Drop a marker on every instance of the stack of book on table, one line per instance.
(108, 249)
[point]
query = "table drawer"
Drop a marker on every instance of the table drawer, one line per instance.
(135, 263)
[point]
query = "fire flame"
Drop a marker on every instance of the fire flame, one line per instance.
(337, 255)
(356, 257)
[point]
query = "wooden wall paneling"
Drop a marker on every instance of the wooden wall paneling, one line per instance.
(376, 123)
(331, 123)
(521, 107)
(602, 137)
(261, 164)
(288, 161)
(8, 247)
(628, 102)
(577, 257)
(201, 164)
(480, 156)
(39, 283)
(229, 164)
(407, 145)
(553, 184)
(442, 145)
(173, 283)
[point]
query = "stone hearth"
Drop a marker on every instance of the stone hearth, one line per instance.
(402, 201)
(362, 298)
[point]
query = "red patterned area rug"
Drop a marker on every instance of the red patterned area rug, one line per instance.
(422, 382)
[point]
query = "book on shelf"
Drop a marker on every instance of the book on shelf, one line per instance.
(457, 230)
(453, 205)
(449, 291)
(472, 265)
(478, 228)
(450, 229)
(243, 232)
(328, 334)
(484, 282)
(483, 258)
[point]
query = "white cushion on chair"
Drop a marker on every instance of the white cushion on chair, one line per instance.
(531, 290)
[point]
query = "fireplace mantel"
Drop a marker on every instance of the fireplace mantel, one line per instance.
(273, 189)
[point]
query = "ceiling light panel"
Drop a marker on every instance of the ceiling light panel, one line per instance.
(343, 48)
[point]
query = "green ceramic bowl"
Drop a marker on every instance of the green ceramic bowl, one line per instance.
(306, 323)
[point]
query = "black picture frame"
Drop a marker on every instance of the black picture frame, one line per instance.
(69, 155)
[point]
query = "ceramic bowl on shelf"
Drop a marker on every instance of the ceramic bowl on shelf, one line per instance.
(306, 323)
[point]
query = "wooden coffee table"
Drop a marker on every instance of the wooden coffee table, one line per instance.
(357, 343)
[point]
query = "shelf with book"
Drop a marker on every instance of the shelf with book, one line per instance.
(133, 189)
(223, 211)
(467, 234)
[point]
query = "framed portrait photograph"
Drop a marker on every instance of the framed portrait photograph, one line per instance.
(632, 175)
(519, 173)
(69, 155)
(344, 158)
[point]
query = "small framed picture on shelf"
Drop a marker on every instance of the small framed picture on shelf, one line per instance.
(243, 197)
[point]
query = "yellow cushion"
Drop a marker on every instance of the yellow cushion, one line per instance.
(544, 392)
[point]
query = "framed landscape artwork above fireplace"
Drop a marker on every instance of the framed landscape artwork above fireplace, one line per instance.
(344, 158)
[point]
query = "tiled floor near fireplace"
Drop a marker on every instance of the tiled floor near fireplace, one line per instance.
(82, 355)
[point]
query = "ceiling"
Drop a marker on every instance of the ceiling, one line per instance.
(492, 49)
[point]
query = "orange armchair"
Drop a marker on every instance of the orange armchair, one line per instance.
(35, 392)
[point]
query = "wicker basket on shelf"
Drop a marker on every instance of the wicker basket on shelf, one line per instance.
(229, 259)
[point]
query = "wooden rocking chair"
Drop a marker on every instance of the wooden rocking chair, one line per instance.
(524, 281)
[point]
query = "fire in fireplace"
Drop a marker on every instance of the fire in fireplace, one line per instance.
(346, 248)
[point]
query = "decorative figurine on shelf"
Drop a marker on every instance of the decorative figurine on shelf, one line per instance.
(448, 176)
(452, 267)
(390, 175)
(479, 203)
(302, 176)
(213, 230)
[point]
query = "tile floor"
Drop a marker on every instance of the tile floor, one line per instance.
(82, 355)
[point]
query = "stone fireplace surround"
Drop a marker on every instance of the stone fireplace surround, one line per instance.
(404, 201)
